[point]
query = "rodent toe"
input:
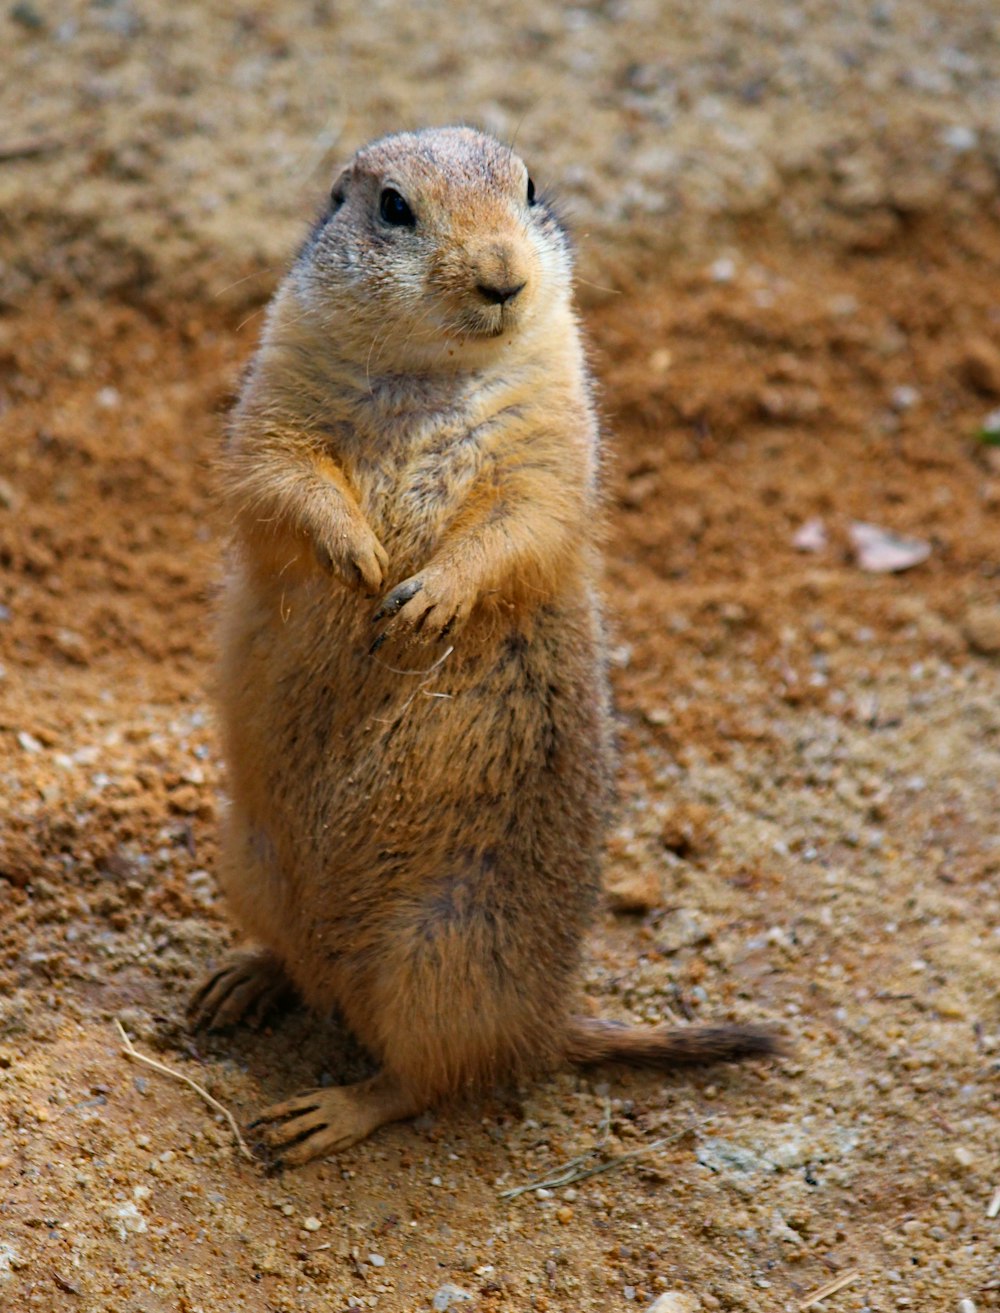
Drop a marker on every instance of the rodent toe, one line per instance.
(370, 566)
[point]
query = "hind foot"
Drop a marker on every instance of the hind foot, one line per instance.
(324, 1121)
(247, 988)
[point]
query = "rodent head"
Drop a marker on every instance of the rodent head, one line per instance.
(435, 252)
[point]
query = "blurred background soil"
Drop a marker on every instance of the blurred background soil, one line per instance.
(787, 218)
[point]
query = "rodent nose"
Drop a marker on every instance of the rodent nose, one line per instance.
(499, 295)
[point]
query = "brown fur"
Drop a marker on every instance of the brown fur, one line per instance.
(420, 789)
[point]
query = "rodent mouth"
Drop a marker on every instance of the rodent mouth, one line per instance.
(493, 322)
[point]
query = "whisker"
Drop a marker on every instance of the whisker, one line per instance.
(257, 273)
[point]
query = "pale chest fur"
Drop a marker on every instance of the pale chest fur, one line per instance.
(417, 450)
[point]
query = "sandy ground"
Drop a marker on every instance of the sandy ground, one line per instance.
(810, 751)
(182, 145)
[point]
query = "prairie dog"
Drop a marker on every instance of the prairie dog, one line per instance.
(413, 692)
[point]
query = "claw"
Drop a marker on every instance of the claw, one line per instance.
(194, 1007)
(245, 988)
(397, 599)
(202, 1018)
(282, 1113)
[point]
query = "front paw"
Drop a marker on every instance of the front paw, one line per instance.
(355, 556)
(427, 607)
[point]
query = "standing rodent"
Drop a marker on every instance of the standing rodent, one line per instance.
(420, 786)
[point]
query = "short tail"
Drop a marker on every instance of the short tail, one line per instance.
(590, 1040)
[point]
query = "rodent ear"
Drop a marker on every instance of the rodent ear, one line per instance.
(339, 193)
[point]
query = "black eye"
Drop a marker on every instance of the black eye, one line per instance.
(531, 192)
(394, 210)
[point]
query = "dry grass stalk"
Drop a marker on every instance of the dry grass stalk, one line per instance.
(427, 672)
(29, 148)
(577, 1170)
(131, 1051)
(831, 1288)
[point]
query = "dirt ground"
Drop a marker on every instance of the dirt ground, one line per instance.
(807, 834)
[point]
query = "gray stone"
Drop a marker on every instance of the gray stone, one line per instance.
(450, 1296)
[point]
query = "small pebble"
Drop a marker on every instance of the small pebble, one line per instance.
(10, 1260)
(127, 1220)
(980, 366)
(675, 1301)
(904, 397)
(959, 137)
(310, 1223)
(634, 891)
(564, 1215)
(448, 1297)
(810, 536)
(950, 1007)
(722, 270)
(376, 1260)
(843, 306)
(27, 16)
(981, 628)
(882, 552)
